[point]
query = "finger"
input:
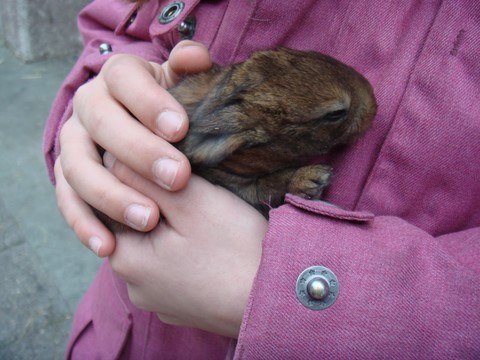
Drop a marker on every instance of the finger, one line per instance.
(194, 199)
(136, 252)
(80, 217)
(83, 170)
(113, 128)
(132, 82)
(126, 175)
(129, 251)
(187, 57)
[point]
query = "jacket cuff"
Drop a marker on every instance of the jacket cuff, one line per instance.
(301, 234)
(393, 298)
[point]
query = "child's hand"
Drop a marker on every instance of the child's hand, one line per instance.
(196, 268)
(105, 115)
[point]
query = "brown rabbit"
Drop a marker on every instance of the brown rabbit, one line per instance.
(255, 126)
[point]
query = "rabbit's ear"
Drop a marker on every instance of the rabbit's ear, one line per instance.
(218, 127)
(211, 149)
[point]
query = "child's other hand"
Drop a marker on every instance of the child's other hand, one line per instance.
(195, 268)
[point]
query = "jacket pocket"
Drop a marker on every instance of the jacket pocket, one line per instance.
(102, 323)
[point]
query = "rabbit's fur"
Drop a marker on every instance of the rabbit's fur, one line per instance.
(255, 126)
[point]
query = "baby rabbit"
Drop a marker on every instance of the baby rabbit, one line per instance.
(255, 126)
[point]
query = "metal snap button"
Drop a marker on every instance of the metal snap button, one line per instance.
(104, 48)
(187, 28)
(170, 12)
(317, 288)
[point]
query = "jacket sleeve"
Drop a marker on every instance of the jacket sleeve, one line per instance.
(402, 292)
(100, 22)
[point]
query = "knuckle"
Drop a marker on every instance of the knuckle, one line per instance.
(68, 170)
(114, 60)
(81, 94)
(88, 103)
(115, 69)
(61, 203)
(97, 122)
(76, 225)
(137, 299)
(103, 200)
(68, 130)
(116, 267)
(122, 266)
(169, 320)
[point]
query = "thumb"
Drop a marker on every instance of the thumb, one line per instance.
(187, 57)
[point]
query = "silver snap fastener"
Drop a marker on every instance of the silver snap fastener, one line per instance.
(187, 28)
(170, 12)
(104, 48)
(317, 288)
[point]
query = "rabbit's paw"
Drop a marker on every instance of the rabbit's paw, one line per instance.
(309, 181)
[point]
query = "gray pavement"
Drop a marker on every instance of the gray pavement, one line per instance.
(44, 270)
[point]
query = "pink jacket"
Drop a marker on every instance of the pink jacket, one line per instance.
(404, 238)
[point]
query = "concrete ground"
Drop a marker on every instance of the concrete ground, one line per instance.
(44, 270)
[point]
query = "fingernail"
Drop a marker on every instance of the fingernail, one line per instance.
(137, 216)
(95, 244)
(165, 170)
(169, 123)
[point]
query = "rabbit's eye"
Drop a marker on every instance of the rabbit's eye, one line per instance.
(334, 116)
(232, 101)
